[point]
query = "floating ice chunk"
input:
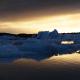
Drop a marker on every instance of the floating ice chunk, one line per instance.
(8, 51)
(43, 35)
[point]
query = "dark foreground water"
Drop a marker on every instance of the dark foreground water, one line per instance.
(63, 67)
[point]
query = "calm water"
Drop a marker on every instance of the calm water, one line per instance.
(71, 59)
(62, 67)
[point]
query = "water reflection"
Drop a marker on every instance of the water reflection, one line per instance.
(68, 59)
(67, 42)
(61, 67)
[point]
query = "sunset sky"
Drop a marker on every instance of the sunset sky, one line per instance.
(31, 16)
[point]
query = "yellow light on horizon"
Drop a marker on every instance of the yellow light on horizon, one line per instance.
(63, 23)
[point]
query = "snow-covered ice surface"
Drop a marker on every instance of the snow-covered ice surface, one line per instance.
(44, 45)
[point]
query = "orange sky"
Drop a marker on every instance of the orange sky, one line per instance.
(63, 23)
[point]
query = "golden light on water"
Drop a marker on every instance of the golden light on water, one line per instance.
(66, 59)
(63, 23)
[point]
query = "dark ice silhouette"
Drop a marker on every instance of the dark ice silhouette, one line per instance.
(37, 46)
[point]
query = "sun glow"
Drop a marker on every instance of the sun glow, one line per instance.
(63, 23)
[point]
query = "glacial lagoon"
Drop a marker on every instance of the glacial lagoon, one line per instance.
(49, 55)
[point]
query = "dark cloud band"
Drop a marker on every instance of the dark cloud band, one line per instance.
(18, 8)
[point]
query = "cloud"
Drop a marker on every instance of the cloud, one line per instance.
(12, 10)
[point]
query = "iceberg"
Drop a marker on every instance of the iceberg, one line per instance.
(42, 46)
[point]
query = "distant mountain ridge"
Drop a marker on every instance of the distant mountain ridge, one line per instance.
(34, 35)
(18, 35)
